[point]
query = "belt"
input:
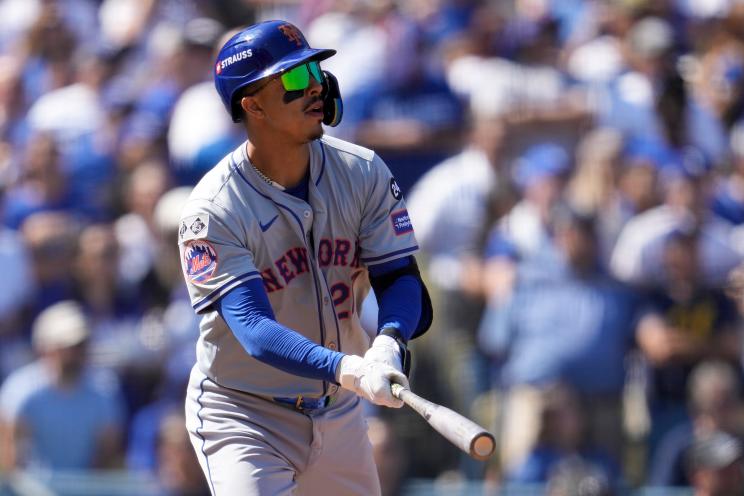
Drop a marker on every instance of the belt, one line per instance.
(302, 404)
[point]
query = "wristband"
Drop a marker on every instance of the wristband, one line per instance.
(405, 354)
(395, 334)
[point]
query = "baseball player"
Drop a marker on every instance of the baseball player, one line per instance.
(280, 242)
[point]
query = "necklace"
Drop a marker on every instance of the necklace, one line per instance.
(266, 178)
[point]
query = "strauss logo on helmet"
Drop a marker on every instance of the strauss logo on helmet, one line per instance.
(228, 61)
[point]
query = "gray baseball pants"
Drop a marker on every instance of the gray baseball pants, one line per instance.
(249, 445)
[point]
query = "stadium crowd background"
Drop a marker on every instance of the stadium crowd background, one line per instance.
(574, 171)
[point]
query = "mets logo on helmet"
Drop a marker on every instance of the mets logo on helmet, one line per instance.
(292, 33)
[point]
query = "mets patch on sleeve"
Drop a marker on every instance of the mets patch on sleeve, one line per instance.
(199, 261)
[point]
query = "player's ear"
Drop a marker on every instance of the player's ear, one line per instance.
(251, 106)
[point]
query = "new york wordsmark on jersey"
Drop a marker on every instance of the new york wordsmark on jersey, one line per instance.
(312, 257)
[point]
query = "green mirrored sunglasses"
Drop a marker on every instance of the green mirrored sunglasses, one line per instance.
(298, 78)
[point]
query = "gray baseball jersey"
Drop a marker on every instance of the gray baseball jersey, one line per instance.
(312, 257)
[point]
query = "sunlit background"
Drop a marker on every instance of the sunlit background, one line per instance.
(574, 172)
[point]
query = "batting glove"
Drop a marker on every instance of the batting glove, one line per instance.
(370, 380)
(385, 350)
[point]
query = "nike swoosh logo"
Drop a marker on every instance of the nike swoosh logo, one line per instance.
(265, 227)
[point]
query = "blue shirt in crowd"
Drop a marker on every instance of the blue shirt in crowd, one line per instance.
(562, 328)
(63, 426)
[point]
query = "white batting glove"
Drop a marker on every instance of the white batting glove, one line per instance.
(370, 380)
(385, 350)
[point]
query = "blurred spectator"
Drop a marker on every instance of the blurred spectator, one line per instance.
(451, 207)
(180, 323)
(611, 184)
(181, 56)
(571, 325)
(50, 239)
(525, 84)
(562, 436)
(42, 186)
(684, 323)
(715, 68)
(195, 145)
(57, 412)
(178, 468)
(112, 308)
(651, 100)
(524, 234)
(17, 273)
(594, 50)
(410, 116)
(13, 125)
(48, 43)
(575, 476)
(716, 467)
(136, 229)
(388, 453)
(412, 119)
(592, 187)
(637, 256)
(714, 405)
(145, 426)
(361, 41)
(728, 199)
(76, 118)
(177, 327)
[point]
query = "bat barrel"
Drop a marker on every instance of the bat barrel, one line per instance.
(482, 446)
(460, 431)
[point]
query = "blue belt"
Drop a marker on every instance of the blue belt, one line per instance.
(302, 404)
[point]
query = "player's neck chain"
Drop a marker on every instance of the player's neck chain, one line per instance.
(266, 178)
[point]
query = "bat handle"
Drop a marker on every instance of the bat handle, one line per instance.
(397, 389)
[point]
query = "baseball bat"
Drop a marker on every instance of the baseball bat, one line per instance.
(460, 431)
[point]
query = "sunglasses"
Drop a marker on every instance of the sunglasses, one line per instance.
(296, 79)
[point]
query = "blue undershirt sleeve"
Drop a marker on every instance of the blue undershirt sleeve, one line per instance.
(400, 303)
(247, 311)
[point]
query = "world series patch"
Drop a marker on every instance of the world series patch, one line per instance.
(401, 222)
(194, 227)
(200, 261)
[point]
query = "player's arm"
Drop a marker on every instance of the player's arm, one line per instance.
(405, 310)
(247, 311)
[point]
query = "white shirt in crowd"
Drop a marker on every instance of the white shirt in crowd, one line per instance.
(448, 208)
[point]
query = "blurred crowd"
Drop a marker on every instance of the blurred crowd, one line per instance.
(574, 171)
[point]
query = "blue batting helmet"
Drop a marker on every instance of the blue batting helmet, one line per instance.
(259, 51)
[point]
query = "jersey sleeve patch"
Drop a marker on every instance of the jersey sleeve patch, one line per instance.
(199, 261)
(395, 189)
(401, 222)
(194, 227)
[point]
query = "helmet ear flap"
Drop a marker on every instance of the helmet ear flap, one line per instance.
(236, 110)
(333, 105)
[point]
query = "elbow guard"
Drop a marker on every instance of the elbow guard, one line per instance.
(381, 283)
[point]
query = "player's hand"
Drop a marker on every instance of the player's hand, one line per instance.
(385, 350)
(370, 380)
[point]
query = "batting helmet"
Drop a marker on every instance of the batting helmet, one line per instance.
(259, 51)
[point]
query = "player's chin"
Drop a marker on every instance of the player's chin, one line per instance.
(316, 133)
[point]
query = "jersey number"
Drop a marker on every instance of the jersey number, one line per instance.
(340, 293)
